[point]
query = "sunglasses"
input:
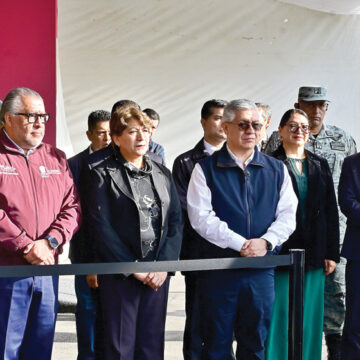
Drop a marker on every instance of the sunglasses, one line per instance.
(245, 126)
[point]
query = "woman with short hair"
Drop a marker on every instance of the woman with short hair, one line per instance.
(134, 215)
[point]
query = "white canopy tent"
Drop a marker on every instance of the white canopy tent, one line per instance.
(174, 55)
(345, 7)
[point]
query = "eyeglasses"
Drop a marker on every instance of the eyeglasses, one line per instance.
(245, 126)
(33, 117)
(293, 128)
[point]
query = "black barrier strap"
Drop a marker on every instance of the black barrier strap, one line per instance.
(134, 267)
(296, 286)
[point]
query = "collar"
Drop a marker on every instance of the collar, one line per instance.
(326, 132)
(320, 134)
(210, 149)
(134, 172)
(225, 158)
(199, 151)
(21, 150)
(146, 169)
(14, 143)
(238, 161)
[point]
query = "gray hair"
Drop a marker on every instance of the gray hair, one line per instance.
(234, 105)
(12, 102)
(266, 110)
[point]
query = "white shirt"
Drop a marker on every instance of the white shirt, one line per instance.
(204, 220)
(210, 149)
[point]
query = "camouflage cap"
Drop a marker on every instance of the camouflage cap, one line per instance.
(312, 93)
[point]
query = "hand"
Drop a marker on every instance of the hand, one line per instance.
(155, 280)
(254, 247)
(92, 281)
(140, 276)
(330, 266)
(245, 246)
(41, 253)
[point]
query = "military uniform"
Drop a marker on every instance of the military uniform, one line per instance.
(334, 144)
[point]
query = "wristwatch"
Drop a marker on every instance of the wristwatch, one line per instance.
(53, 242)
(268, 245)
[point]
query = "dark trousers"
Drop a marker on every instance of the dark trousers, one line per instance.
(351, 332)
(192, 343)
(88, 321)
(28, 309)
(134, 318)
(235, 302)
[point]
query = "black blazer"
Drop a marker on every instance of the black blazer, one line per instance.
(319, 236)
(80, 171)
(182, 169)
(349, 201)
(113, 217)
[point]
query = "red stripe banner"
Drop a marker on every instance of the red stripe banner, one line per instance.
(28, 52)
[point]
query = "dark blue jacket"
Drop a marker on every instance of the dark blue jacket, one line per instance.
(158, 150)
(245, 200)
(183, 166)
(319, 235)
(349, 201)
(113, 215)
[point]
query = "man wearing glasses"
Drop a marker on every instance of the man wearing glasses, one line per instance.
(39, 212)
(334, 144)
(243, 204)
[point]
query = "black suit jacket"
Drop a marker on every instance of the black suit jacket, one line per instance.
(182, 169)
(79, 245)
(113, 217)
(349, 201)
(319, 236)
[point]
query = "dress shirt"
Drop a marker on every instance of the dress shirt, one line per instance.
(204, 220)
(210, 149)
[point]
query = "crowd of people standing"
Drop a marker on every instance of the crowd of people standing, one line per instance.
(236, 193)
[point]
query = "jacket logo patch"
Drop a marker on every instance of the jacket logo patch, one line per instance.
(337, 145)
(45, 173)
(8, 170)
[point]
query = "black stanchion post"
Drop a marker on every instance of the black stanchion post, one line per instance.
(296, 303)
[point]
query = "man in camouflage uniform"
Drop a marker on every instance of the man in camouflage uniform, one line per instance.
(334, 144)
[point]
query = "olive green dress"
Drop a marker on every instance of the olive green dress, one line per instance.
(277, 341)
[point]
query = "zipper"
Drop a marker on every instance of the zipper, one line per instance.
(34, 195)
(246, 176)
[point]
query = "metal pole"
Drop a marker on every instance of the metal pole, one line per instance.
(296, 304)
